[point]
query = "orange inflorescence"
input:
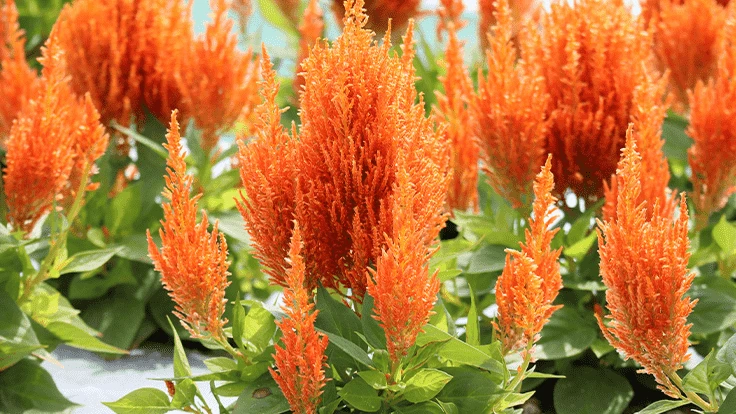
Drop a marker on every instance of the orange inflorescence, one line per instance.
(510, 108)
(686, 40)
(593, 56)
(381, 11)
(713, 128)
(454, 111)
(403, 290)
(192, 261)
(520, 10)
(300, 363)
(644, 265)
(310, 31)
(531, 277)
(52, 145)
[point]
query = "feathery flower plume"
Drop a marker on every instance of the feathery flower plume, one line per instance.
(644, 265)
(453, 110)
(192, 261)
(403, 290)
(18, 82)
(687, 37)
(310, 31)
(268, 174)
(713, 129)
(300, 363)
(52, 145)
(510, 107)
(520, 11)
(399, 12)
(531, 279)
(592, 56)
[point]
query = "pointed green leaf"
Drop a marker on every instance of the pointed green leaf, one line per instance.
(425, 385)
(361, 396)
(662, 406)
(181, 363)
(142, 401)
(88, 260)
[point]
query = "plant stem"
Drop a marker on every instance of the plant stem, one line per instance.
(691, 396)
(515, 385)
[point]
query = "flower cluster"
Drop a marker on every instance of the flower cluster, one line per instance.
(398, 12)
(520, 11)
(311, 31)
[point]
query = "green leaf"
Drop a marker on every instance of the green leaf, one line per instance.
(376, 379)
(588, 390)
(356, 352)
(581, 247)
(336, 318)
(425, 385)
(186, 390)
(472, 329)
(88, 260)
(716, 307)
(361, 396)
(79, 338)
(566, 334)
(232, 224)
(373, 332)
(239, 325)
(724, 234)
(27, 387)
(676, 141)
(510, 399)
(274, 16)
(470, 389)
(729, 404)
(142, 401)
(727, 353)
(258, 328)
(487, 259)
(662, 406)
(181, 363)
(17, 338)
(143, 140)
(123, 211)
(262, 396)
(707, 375)
(429, 407)
(118, 318)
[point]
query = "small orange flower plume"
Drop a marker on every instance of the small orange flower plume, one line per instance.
(453, 110)
(52, 145)
(268, 174)
(644, 266)
(687, 37)
(593, 56)
(192, 261)
(403, 290)
(531, 279)
(300, 363)
(381, 11)
(713, 129)
(520, 11)
(510, 108)
(18, 82)
(310, 30)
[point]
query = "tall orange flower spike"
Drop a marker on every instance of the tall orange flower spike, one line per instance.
(18, 82)
(268, 174)
(531, 279)
(358, 115)
(644, 265)
(310, 30)
(687, 36)
(403, 290)
(593, 56)
(52, 145)
(300, 363)
(399, 12)
(713, 129)
(192, 261)
(520, 11)
(510, 109)
(453, 109)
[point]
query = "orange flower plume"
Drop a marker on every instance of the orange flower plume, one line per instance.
(510, 108)
(18, 82)
(713, 129)
(644, 265)
(399, 12)
(453, 110)
(531, 279)
(192, 262)
(687, 36)
(593, 56)
(300, 363)
(520, 11)
(52, 145)
(310, 31)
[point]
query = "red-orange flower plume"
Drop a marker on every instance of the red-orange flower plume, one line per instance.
(453, 109)
(531, 279)
(510, 108)
(644, 265)
(192, 261)
(713, 129)
(520, 11)
(300, 363)
(310, 31)
(381, 11)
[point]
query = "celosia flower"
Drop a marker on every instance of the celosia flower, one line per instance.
(687, 36)
(510, 109)
(520, 11)
(300, 363)
(531, 279)
(381, 11)
(592, 56)
(52, 145)
(713, 129)
(403, 290)
(18, 82)
(644, 266)
(453, 110)
(310, 31)
(192, 261)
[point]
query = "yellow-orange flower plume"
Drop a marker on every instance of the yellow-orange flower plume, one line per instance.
(310, 31)
(520, 11)
(192, 261)
(381, 11)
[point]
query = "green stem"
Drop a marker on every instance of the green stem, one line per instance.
(691, 396)
(515, 385)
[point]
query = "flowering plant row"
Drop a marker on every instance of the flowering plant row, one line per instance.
(579, 182)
